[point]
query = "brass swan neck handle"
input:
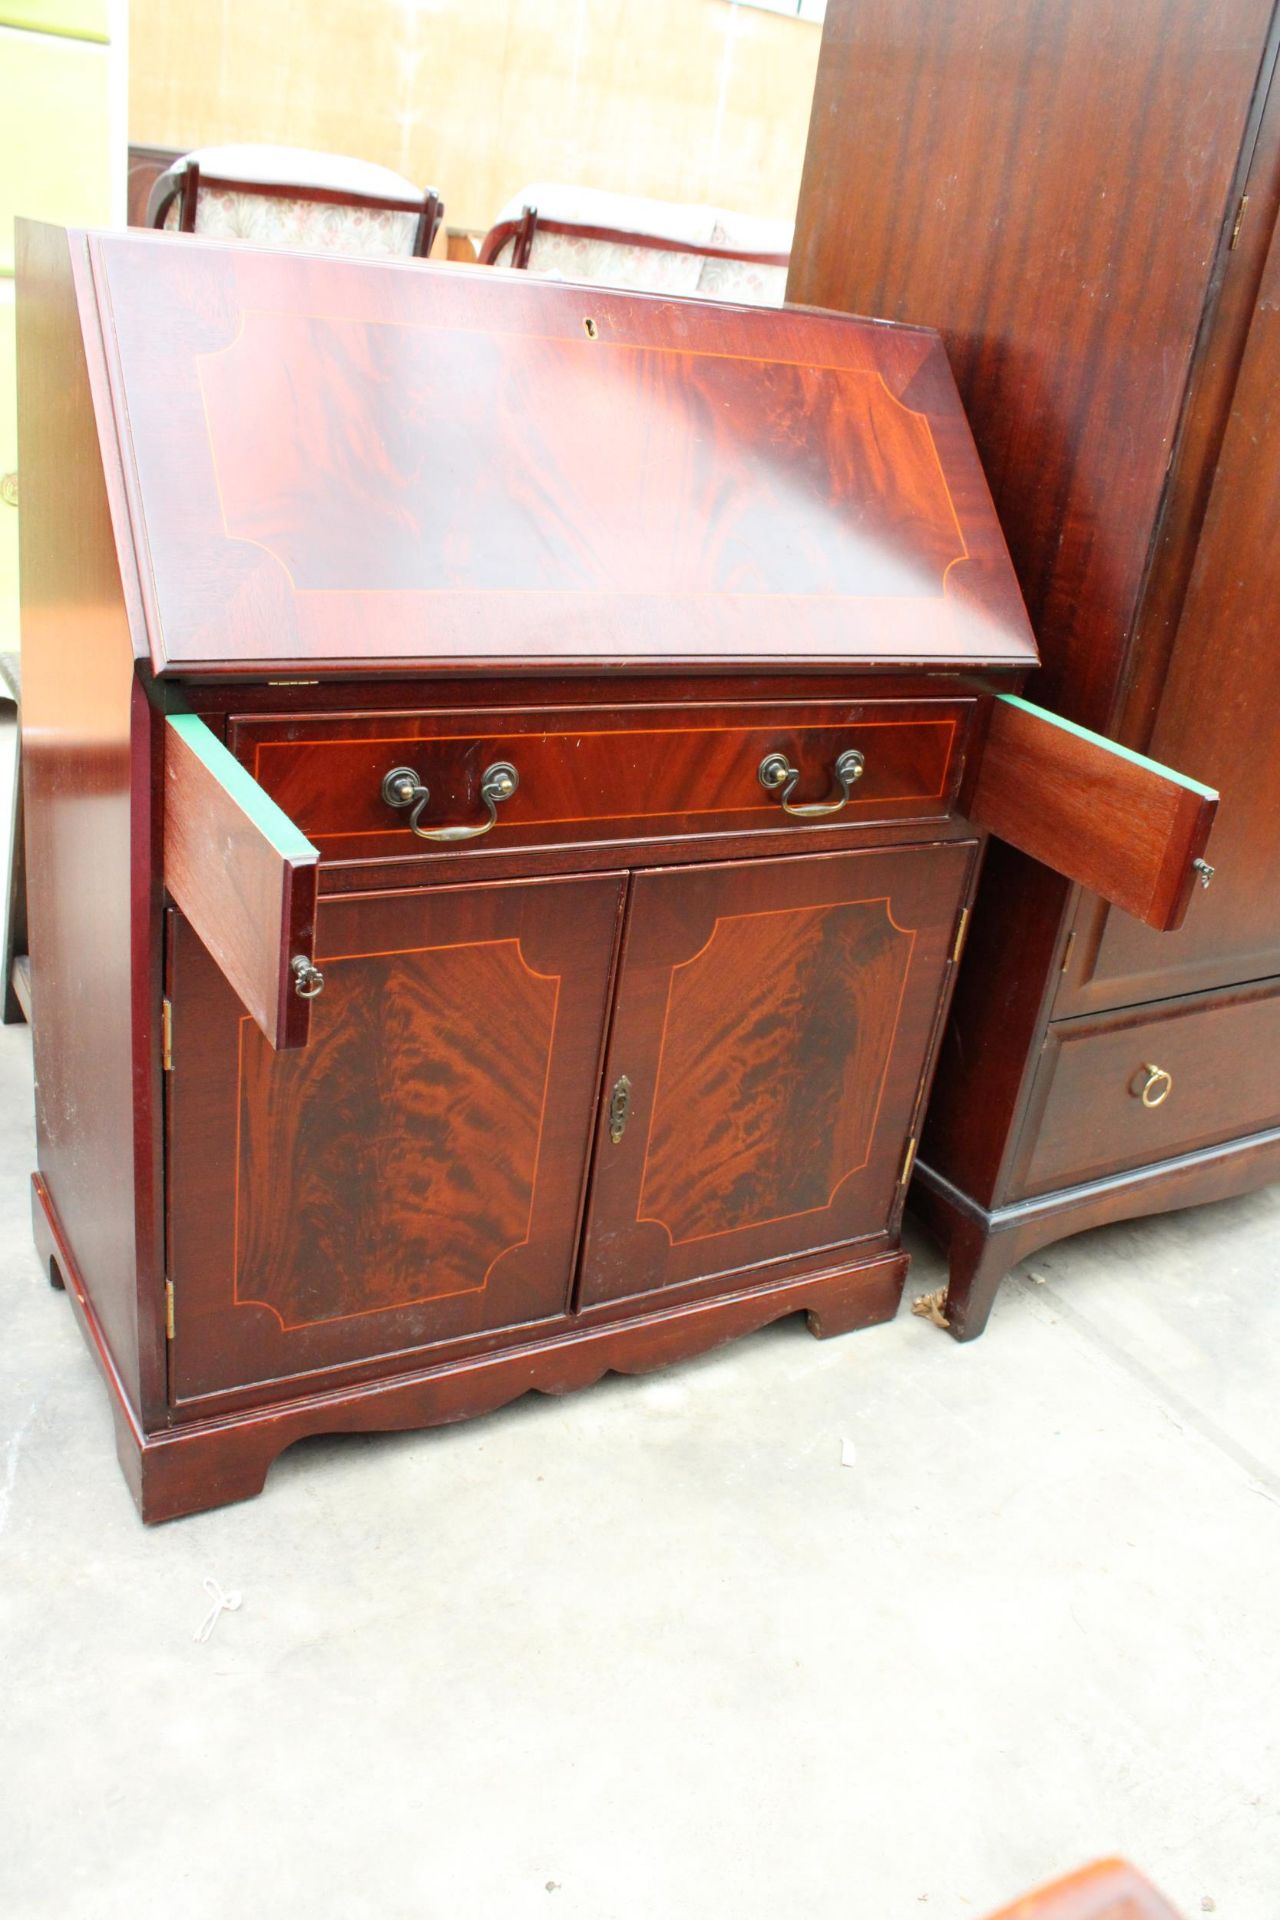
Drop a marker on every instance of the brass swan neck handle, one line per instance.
(402, 788)
(776, 772)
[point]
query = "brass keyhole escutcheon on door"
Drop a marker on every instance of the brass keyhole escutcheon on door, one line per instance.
(619, 1108)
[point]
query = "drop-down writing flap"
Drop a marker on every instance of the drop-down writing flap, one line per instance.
(1124, 826)
(332, 461)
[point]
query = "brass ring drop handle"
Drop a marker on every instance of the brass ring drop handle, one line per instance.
(1157, 1077)
(308, 981)
(777, 772)
(402, 788)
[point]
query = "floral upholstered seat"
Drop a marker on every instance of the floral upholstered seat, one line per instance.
(293, 197)
(612, 239)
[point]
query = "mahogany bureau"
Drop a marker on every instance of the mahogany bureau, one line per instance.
(508, 765)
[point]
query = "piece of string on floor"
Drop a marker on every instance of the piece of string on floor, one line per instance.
(220, 1603)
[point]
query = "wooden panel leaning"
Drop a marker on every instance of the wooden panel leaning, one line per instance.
(1132, 830)
(245, 878)
(1108, 1890)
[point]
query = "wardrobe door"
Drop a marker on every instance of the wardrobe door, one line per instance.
(413, 1175)
(772, 1026)
(1217, 712)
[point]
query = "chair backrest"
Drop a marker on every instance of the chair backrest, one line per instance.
(681, 249)
(292, 197)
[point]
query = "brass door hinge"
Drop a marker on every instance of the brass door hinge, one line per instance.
(166, 1035)
(168, 1309)
(1066, 951)
(962, 934)
(908, 1161)
(1239, 222)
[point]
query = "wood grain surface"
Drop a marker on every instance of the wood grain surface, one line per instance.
(411, 1133)
(776, 1037)
(243, 876)
(1216, 715)
(87, 753)
(1112, 821)
(1086, 1117)
(983, 1244)
(200, 1463)
(596, 771)
(773, 1019)
(1080, 195)
(430, 1143)
(1021, 178)
(346, 460)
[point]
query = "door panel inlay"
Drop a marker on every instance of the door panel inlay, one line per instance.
(772, 1017)
(407, 1133)
(413, 1176)
(780, 1080)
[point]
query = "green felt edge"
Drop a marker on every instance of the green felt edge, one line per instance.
(1109, 746)
(288, 840)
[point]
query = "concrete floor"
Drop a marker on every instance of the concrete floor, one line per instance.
(653, 1651)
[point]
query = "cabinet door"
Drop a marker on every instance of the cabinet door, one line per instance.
(414, 1175)
(772, 1024)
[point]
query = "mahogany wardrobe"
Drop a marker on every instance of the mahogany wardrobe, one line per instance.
(1081, 195)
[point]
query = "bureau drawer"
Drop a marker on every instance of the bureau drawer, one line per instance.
(1128, 1088)
(589, 774)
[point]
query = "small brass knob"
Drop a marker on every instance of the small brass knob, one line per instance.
(401, 787)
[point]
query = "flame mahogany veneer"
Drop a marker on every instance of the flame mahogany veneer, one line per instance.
(639, 1067)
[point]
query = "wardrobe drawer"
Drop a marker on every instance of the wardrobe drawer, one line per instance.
(1127, 1088)
(589, 773)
